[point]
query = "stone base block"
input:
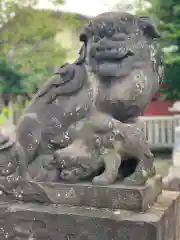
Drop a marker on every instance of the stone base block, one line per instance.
(116, 196)
(35, 221)
(172, 181)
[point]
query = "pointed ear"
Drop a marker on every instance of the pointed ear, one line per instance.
(146, 25)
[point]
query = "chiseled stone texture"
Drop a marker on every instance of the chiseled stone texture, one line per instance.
(115, 196)
(21, 221)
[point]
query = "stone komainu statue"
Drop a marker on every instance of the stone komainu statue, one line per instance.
(82, 124)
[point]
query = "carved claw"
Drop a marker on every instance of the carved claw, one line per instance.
(134, 181)
(103, 180)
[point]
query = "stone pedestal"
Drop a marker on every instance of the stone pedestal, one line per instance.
(34, 221)
(96, 214)
(116, 196)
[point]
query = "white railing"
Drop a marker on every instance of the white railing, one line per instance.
(159, 130)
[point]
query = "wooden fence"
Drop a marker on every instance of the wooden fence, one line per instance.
(159, 130)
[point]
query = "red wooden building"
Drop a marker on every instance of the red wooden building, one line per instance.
(159, 107)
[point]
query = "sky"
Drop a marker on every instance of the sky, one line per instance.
(85, 7)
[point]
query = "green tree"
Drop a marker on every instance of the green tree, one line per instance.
(11, 80)
(27, 47)
(29, 52)
(29, 39)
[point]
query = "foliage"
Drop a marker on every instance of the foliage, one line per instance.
(166, 13)
(11, 78)
(28, 39)
(5, 114)
(27, 44)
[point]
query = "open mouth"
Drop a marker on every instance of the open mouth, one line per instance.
(107, 62)
(110, 68)
(111, 53)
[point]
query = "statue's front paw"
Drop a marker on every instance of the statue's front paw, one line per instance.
(104, 179)
(134, 181)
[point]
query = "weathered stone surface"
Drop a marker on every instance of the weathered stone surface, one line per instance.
(82, 125)
(116, 196)
(34, 221)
